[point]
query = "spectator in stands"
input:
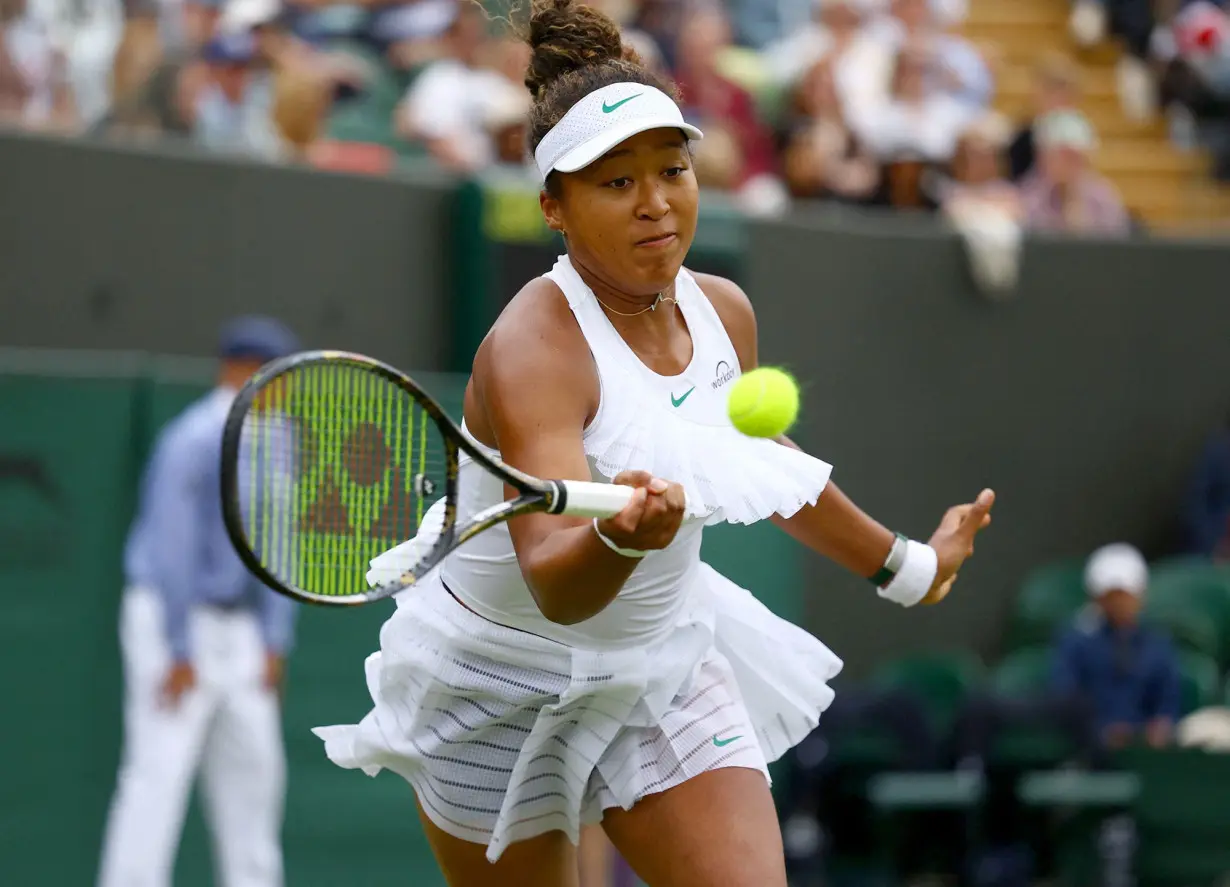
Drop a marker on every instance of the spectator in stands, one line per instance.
(39, 71)
(835, 27)
(301, 102)
(1065, 193)
(138, 55)
(1126, 672)
(1194, 48)
(627, 13)
(919, 122)
(1132, 20)
(717, 103)
(959, 70)
(984, 206)
(27, 65)
(411, 35)
(1206, 507)
(507, 122)
(447, 105)
(978, 170)
(662, 21)
(234, 111)
(87, 33)
(1056, 88)
(165, 104)
(821, 156)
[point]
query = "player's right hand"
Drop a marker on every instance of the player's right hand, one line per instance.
(179, 680)
(651, 520)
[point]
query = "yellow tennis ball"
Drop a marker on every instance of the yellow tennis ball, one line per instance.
(764, 402)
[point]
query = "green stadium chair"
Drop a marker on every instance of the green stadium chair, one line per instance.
(1182, 814)
(941, 680)
(1200, 587)
(1050, 596)
(1201, 681)
(1027, 673)
(1189, 627)
(1023, 672)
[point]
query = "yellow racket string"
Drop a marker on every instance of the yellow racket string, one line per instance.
(343, 465)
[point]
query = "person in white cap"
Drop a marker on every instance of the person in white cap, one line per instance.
(556, 672)
(1125, 671)
(1064, 192)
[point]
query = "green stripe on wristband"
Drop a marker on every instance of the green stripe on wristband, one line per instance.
(882, 577)
(892, 563)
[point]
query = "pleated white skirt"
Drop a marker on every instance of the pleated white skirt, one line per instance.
(505, 735)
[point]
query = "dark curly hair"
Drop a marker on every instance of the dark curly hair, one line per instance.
(576, 49)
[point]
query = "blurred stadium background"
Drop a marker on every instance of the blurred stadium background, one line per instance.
(987, 235)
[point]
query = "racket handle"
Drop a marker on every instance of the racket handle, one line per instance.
(582, 498)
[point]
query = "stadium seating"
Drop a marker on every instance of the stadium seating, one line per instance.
(1201, 681)
(1182, 814)
(1026, 673)
(1167, 188)
(942, 680)
(1199, 587)
(1049, 596)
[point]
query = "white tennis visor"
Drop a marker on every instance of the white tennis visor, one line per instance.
(602, 120)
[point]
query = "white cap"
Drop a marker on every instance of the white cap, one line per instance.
(603, 119)
(1065, 129)
(1118, 566)
(243, 15)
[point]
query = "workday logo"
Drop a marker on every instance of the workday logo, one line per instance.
(723, 374)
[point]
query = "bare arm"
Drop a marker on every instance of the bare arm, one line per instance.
(534, 389)
(835, 527)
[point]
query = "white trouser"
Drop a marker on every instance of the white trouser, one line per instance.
(229, 724)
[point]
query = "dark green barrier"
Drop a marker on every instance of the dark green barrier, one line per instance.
(67, 476)
(153, 248)
(501, 243)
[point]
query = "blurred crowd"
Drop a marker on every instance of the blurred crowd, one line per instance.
(1176, 58)
(870, 102)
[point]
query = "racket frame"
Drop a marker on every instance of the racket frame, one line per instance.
(536, 495)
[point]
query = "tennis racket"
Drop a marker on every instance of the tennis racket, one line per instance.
(331, 458)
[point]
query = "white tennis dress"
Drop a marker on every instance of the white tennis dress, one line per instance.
(508, 725)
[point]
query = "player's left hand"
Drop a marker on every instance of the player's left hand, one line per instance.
(274, 672)
(954, 542)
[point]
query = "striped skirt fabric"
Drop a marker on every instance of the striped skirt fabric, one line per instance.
(505, 735)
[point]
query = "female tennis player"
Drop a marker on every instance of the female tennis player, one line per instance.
(555, 671)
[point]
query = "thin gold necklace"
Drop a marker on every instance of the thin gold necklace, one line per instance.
(660, 298)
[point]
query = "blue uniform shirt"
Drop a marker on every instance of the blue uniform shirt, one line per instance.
(1127, 676)
(178, 545)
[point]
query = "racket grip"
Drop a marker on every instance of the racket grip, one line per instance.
(582, 498)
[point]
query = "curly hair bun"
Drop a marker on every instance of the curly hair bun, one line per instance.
(565, 36)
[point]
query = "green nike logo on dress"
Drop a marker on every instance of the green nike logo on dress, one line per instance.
(679, 401)
(721, 742)
(607, 109)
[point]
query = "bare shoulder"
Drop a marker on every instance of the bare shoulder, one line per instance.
(736, 312)
(535, 356)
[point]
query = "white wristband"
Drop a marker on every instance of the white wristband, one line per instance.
(914, 579)
(626, 552)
